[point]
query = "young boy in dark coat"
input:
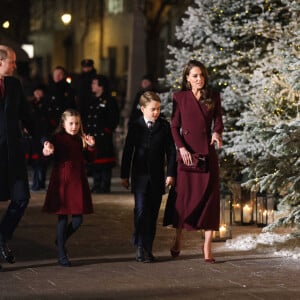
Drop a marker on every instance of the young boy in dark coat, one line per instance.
(148, 148)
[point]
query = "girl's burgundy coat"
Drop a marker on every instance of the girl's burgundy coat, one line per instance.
(68, 191)
(198, 194)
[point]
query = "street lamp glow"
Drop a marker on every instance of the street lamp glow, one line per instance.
(5, 24)
(29, 49)
(66, 18)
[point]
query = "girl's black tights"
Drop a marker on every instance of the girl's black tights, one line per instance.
(64, 231)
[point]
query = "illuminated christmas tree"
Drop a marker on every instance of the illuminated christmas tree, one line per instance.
(229, 37)
(251, 49)
(269, 143)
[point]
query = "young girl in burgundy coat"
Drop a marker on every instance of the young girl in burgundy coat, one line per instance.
(68, 192)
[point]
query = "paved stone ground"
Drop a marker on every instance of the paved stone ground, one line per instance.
(103, 265)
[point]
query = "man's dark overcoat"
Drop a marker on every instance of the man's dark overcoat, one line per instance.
(15, 114)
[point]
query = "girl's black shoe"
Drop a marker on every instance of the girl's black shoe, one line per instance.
(64, 262)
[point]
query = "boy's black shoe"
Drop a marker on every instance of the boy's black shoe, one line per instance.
(149, 257)
(139, 254)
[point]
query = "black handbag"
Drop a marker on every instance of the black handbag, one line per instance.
(199, 164)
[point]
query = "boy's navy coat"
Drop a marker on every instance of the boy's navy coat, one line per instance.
(147, 153)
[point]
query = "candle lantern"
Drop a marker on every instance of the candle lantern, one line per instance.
(242, 205)
(224, 233)
(264, 209)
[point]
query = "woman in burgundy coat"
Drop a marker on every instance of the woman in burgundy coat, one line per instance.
(68, 192)
(196, 126)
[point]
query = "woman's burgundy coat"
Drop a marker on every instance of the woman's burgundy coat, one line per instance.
(68, 191)
(198, 194)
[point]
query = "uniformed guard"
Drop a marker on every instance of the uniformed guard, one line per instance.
(60, 96)
(82, 86)
(102, 120)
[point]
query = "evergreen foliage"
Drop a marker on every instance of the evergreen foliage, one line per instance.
(251, 49)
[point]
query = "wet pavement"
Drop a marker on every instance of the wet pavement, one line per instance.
(103, 264)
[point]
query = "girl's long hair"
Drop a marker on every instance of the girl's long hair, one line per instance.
(71, 113)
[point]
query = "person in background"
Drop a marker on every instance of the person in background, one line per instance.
(197, 127)
(60, 96)
(68, 192)
(149, 147)
(147, 84)
(83, 86)
(42, 125)
(14, 186)
(102, 119)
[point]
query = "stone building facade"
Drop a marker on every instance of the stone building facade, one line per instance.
(111, 32)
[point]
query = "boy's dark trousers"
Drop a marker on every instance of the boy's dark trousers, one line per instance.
(147, 205)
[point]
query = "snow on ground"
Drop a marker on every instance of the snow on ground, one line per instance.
(284, 245)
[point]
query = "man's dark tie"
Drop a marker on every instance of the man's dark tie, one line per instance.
(150, 124)
(1, 88)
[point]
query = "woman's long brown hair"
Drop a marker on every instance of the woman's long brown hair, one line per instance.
(205, 92)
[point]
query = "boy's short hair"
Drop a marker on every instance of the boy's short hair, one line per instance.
(147, 97)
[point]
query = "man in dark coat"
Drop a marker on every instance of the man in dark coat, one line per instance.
(14, 110)
(82, 86)
(59, 97)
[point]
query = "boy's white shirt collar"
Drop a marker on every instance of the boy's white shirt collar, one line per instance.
(146, 121)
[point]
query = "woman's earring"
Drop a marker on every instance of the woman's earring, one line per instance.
(188, 84)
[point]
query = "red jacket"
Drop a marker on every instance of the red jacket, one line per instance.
(68, 191)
